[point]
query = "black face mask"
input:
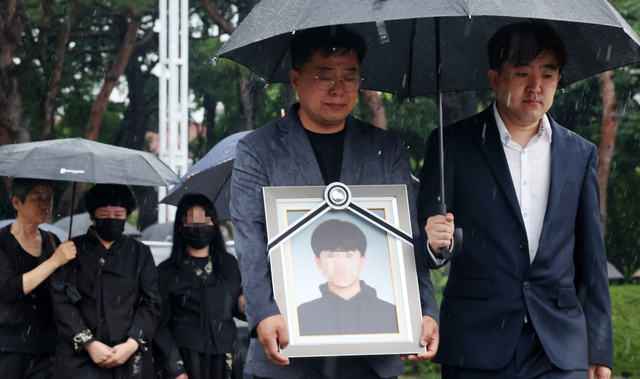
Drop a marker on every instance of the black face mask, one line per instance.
(198, 237)
(109, 229)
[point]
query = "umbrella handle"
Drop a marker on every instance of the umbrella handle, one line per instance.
(454, 250)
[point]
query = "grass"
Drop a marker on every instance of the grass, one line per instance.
(625, 310)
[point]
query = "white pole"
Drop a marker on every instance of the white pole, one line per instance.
(174, 93)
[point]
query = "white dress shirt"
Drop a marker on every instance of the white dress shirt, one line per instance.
(530, 169)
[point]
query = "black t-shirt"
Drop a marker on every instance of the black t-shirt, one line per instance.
(328, 151)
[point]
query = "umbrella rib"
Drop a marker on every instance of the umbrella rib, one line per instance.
(411, 42)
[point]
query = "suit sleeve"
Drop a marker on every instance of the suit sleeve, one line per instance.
(402, 174)
(247, 212)
(591, 278)
(68, 318)
(145, 318)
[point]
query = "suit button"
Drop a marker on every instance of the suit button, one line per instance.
(526, 285)
(523, 246)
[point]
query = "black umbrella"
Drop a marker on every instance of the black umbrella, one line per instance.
(82, 160)
(210, 176)
(425, 47)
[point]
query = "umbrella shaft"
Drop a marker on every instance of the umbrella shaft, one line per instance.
(442, 208)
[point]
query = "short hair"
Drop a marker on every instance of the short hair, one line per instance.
(329, 40)
(104, 195)
(335, 234)
(522, 42)
(21, 187)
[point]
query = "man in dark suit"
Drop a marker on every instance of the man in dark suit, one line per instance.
(316, 143)
(528, 295)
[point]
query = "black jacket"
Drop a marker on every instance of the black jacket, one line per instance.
(117, 298)
(26, 321)
(362, 314)
(197, 314)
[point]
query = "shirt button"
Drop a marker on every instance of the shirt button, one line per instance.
(524, 215)
(523, 246)
(523, 152)
(524, 183)
(526, 285)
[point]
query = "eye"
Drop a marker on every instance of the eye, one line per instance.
(351, 79)
(326, 79)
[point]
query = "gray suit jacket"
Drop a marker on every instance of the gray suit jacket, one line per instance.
(279, 154)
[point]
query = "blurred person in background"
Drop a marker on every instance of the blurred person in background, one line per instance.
(28, 256)
(201, 294)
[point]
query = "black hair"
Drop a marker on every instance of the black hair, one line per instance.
(104, 195)
(217, 246)
(335, 234)
(329, 40)
(21, 187)
(522, 42)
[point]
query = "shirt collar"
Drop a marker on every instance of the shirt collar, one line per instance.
(505, 137)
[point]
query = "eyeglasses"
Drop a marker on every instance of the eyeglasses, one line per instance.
(350, 83)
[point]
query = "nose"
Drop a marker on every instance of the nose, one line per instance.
(534, 85)
(338, 86)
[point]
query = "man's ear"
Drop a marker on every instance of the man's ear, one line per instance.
(493, 78)
(294, 75)
(318, 263)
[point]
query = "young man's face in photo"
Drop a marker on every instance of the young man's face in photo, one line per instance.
(341, 268)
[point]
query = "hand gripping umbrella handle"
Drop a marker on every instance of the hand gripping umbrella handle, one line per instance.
(454, 250)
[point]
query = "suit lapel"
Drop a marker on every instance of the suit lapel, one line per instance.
(354, 152)
(297, 143)
(487, 138)
(559, 149)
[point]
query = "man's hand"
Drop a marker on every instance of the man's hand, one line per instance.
(121, 353)
(440, 231)
(599, 372)
(182, 376)
(65, 252)
(430, 338)
(99, 352)
(271, 331)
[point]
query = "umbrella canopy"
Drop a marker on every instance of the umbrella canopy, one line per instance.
(210, 176)
(424, 47)
(613, 272)
(59, 232)
(402, 37)
(82, 160)
(158, 232)
(82, 221)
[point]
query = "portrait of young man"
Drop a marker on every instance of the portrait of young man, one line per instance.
(348, 305)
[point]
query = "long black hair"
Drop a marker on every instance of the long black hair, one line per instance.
(217, 246)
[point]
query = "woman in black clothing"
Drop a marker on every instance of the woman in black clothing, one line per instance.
(107, 303)
(201, 292)
(28, 256)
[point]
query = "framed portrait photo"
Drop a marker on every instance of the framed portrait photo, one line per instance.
(343, 269)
